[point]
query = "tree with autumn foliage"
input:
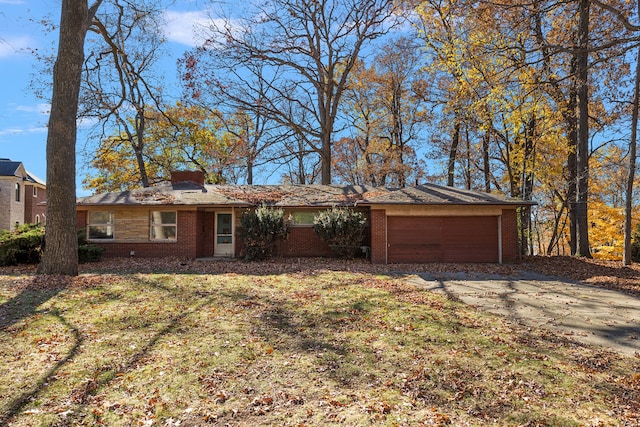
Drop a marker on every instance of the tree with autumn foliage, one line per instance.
(386, 117)
(181, 137)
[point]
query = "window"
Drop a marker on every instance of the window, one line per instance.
(303, 218)
(38, 219)
(17, 192)
(100, 225)
(35, 191)
(164, 225)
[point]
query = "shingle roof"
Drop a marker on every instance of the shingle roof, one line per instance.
(294, 196)
(431, 194)
(236, 195)
(32, 178)
(184, 193)
(8, 167)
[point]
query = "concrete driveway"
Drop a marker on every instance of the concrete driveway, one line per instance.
(585, 313)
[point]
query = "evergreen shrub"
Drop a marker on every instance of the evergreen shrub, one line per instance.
(261, 229)
(22, 245)
(342, 229)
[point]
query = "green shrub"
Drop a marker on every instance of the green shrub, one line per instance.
(261, 229)
(86, 251)
(343, 229)
(22, 246)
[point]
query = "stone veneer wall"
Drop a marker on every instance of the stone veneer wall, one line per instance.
(11, 212)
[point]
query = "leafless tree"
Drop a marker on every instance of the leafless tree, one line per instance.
(305, 51)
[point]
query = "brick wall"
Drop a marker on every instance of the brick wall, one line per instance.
(33, 205)
(509, 236)
(378, 225)
(303, 242)
(196, 177)
(188, 243)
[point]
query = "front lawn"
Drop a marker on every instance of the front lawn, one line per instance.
(298, 346)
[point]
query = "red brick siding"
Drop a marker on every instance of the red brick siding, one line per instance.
(81, 219)
(196, 177)
(378, 226)
(31, 204)
(509, 236)
(303, 242)
(185, 246)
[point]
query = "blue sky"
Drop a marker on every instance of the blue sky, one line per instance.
(23, 117)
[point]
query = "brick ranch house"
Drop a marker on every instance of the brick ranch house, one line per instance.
(186, 218)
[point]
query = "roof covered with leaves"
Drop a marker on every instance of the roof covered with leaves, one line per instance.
(431, 194)
(291, 196)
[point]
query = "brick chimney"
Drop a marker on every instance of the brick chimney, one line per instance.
(194, 177)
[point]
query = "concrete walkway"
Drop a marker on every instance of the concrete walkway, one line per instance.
(585, 313)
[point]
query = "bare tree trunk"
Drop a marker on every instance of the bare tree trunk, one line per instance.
(455, 141)
(485, 162)
(626, 257)
(61, 250)
(582, 148)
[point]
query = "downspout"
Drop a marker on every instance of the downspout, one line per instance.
(499, 239)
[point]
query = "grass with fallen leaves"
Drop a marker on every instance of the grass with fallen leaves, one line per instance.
(270, 344)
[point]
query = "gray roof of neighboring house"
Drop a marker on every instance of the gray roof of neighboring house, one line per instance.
(295, 196)
(432, 194)
(9, 167)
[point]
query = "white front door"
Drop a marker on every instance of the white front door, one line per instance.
(223, 245)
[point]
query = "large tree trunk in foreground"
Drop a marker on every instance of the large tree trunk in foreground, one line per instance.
(61, 250)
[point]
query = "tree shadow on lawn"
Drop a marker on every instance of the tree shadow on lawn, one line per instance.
(25, 305)
(18, 403)
(39, 290)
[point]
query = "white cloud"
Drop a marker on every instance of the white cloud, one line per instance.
(37, 108)
(187, 28)
(182, 27)
(14, 45)
(21, 131)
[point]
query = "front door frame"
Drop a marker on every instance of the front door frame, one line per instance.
(224, 249)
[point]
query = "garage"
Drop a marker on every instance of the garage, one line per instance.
(420, 239)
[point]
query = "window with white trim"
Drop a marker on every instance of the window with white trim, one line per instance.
(35, 191)
(17, 192)
(100, 225)
(164, 225)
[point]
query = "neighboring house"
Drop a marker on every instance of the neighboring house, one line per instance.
(22, 196)
(186, 218)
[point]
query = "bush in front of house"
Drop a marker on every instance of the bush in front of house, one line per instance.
(22, 245)
(342, 229)
(261, 229)
(86, 251)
